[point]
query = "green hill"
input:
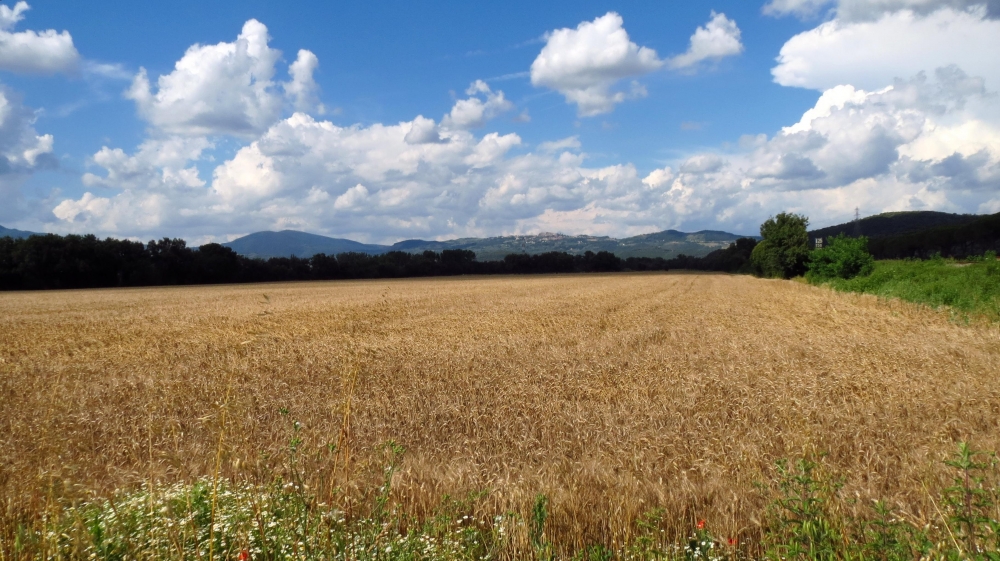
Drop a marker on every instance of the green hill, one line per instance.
(894, 224)
(921, 234)
(974, 237)
(288, 243)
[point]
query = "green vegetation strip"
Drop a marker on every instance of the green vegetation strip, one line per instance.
(809, 518)
(970, 288)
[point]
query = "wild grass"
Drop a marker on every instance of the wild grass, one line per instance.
(806, 520)
(635, 405)
(969, 288)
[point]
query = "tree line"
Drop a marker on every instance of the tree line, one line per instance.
(51, 261)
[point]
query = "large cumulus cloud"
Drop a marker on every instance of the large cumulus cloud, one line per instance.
(43, 52)
(367, 182)
(870, 54)
(921, 143)
(587, 64)
(225, 89)
(890, 133)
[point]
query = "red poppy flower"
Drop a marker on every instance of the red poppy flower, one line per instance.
(701, 524)
(244, 556)
(732, 541)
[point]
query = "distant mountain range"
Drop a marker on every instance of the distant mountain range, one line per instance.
(10, 232)
(667, 244)
(892, 234)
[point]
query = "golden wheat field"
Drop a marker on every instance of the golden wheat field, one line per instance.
(611, 394)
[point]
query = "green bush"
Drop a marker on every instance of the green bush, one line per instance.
(842, 258)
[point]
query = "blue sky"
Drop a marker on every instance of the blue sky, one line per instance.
(388, 121)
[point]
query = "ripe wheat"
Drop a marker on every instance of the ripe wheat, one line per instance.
(610, 394)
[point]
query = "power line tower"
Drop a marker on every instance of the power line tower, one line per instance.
(857, 222)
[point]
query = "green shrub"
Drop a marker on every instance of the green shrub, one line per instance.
(970, 505)
(842, 258)
(802, 524)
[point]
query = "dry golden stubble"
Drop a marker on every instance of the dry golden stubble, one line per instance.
(612, 394)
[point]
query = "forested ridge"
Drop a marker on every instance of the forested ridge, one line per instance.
(894, 224)
(921, 234)
(51, 261)
(958, 240)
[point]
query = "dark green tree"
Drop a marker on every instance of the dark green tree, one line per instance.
(784, 250)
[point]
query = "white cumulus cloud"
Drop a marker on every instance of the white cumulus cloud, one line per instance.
(585, 64)
(159, 165)
(302, 88)
(227, 88)
(45, 52)
(22, 149)
(367, 182)
(422, 131)
(922, 143)
(891, 149)
(868, 10)
(907, 118)
(870, 54)
(352, 198)
(719, 38)
(474, 111)
(800, 8)
(659, 177)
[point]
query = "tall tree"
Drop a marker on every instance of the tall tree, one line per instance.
(784, 250)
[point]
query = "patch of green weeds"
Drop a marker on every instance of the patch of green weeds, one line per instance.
(970, 289)
(808, 520)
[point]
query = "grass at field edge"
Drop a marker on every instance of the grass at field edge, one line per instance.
(969, 289)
